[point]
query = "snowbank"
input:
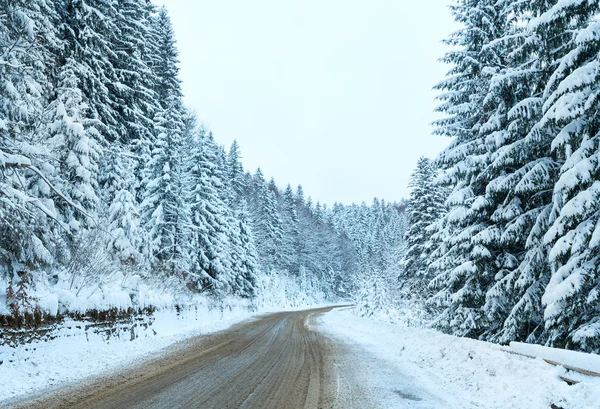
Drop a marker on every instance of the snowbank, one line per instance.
(461, 372)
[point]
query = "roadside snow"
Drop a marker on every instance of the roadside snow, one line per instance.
(411, 367)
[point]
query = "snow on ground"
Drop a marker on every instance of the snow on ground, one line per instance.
(407, 367)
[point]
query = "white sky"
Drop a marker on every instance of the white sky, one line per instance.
(331, 94)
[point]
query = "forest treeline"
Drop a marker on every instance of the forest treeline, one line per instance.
(514, 251)
(106, 176)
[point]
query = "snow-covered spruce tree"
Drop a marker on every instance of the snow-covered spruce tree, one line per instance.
(164, 59)
(235, 173)
(266, 221)
(210, 262)
(372, 296)
(572, 296)
(504, 226)
(426, 206)
(376, 244)
(76, 143)
(242, 248)
(526, 167)
(136, 49)
(247, 269)
(164, 212)
(86, 27)
(392, 236)
(134, 99)
(309, 234)
(291, 245)
(521, 175)
(312, 243)
(26, 206)
(465, 269)
(89, 35)
(126, 240)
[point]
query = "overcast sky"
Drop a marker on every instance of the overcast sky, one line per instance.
(331, 94)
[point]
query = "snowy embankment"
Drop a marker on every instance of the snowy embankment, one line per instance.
(426, 369)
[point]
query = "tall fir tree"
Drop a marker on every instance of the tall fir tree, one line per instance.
(465, 270)
(291, 246)
(425, 207)
(210, 256)
(267, 223)
(27, 212)
(572, 296)
(164, 212)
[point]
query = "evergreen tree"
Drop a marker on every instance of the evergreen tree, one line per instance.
(503, 165)
(572, 296)
(266, 221)
(163, 60)
(164, 212)
(523, 171)
(243, 253)
(210, 257)
(126, 235)
(291, 246)
(26, 200)
(86, 50)
(235, 172)
(76, 142)
(465, 270)
(134, 99)
(425, 207)
(248, 269)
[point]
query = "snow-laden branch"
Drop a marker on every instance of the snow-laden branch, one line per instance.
(21, 162)
(124, 154)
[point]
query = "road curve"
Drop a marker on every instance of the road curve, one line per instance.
(270, 362)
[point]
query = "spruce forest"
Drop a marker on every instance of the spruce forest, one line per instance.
(111, 190)
(113, 195)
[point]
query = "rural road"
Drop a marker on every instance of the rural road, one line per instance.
(274, 361)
